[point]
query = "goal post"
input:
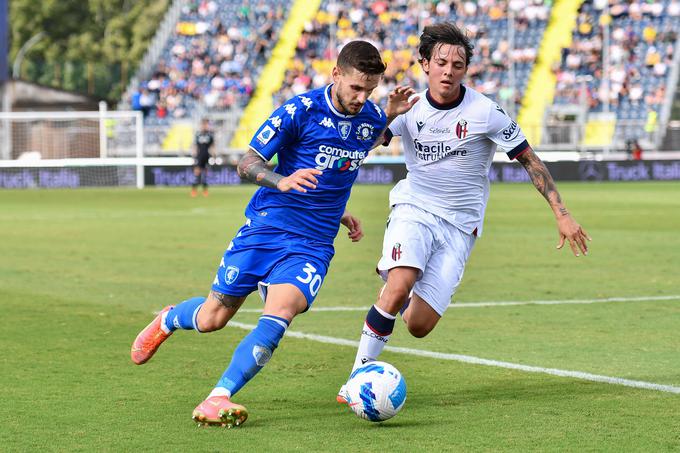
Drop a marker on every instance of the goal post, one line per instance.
(71, 149)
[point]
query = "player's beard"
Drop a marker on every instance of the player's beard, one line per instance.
(345, 108)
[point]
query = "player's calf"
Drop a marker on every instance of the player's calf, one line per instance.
(421, 318)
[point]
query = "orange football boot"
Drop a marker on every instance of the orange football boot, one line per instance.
(342, 395)
(149, 340)
(220, 411)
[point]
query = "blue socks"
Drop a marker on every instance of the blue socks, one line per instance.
(183, 316)
(253, 353)
(250, 355)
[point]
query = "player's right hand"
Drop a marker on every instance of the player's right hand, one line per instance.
(398, 100)
(305, 177)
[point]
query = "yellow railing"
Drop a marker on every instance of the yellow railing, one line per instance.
(541, 87)
(271, 78)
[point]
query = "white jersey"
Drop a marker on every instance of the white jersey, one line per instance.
(448, 150)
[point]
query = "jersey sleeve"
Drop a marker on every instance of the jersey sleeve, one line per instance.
(396, 128)
(279, 131)
(506, 133)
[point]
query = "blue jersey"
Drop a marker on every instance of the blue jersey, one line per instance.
(308, 132)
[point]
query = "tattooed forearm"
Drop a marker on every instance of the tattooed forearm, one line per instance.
(254, 169)
(227, 301)
(542, 179)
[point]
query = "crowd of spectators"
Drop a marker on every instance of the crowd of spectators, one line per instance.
(393, 27)
(642, 37)
(219, 47)
(213, 58)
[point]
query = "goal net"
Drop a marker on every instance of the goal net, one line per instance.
(71, 149)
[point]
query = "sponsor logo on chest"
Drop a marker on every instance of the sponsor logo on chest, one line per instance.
(432, 151)
(331, 157)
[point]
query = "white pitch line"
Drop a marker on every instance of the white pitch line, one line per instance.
(509, 303)
(479, 361)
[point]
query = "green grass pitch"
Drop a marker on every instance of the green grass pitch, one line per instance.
(81, 272)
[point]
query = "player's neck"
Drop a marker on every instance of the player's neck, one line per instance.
(335, 100)
(442, 102)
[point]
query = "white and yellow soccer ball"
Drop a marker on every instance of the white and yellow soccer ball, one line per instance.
(376, 391)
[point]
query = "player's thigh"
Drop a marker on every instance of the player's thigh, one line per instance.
(444, 270)
(249, 257)
(408, 239)
(299, 273)
(285, 301)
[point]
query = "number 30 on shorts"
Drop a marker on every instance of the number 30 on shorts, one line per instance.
(311, 278)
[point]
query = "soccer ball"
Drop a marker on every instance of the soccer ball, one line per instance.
(376, 391)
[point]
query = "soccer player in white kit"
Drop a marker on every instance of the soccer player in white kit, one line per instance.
(449, 137)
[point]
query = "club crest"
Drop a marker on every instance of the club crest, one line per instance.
(462, 129)
(396, 252)
(344, 127)
(261, 355)
(231, 274)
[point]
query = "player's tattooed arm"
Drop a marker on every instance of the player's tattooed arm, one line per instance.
(569, 230)
(253, 168)
(542, 180)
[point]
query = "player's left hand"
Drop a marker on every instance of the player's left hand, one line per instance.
(571, 231)
(353, 225)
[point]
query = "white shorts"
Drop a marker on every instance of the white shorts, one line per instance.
(420, 239)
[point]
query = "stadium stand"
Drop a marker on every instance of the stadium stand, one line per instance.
(215, 54)
(209, 64)
(551, 54)
(393, 27)
(642, 38)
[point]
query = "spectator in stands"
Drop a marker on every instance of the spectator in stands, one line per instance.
(633, 149)
(147, 102)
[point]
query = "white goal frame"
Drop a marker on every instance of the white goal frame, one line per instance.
(129, 156)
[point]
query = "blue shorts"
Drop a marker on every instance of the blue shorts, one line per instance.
(260, 256)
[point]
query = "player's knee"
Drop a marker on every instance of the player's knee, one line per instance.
(211, 324)
(419, 330)
(212, 317)
(394, 297)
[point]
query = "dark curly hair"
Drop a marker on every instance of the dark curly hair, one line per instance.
(444, 33)
(362, 56)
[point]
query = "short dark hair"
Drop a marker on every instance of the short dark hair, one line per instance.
(444, 33)
(362, 56)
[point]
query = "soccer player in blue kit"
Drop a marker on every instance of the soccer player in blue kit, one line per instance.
(285, 247)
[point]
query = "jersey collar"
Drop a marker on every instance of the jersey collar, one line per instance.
(450, 105)
(327, 95)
